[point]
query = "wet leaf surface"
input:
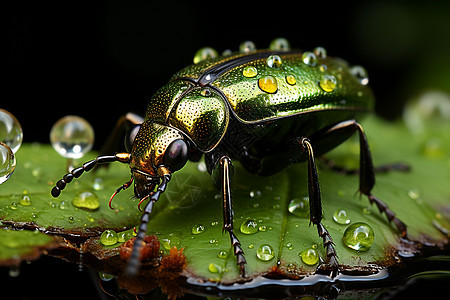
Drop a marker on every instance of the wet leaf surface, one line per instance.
(189, 213)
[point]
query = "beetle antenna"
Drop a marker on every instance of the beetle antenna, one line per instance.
(135, 261)
(86, 167)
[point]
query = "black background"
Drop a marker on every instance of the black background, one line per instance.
(101, 59)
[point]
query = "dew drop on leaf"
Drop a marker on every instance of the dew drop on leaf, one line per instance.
(309, 256)
(87, 200)
(10, 131)
(359, 236)
(299, 207)
(265, 252)
(109, 237)
(197, 229)
(7, 162)
(340, 217)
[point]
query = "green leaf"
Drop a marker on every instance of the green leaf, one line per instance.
(418, 197)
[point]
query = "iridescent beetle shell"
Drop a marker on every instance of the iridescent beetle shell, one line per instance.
(255, 87)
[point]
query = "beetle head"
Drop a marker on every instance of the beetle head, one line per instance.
(157, 150)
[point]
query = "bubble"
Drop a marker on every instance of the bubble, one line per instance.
(268, 84)
(340, 217)
(299, 207)
(360, 74)
(86, 200)
(7, 162)
(249, 72)
(10, 130)
(359, 236)
(274, 61)
(309, 59)
(265, 252)
(204, 54)
(280, 44)
(247, 46)
(249, 227)
(197, 229)
(109, 237)
(309, 256)
(328, 83)
(72, 137)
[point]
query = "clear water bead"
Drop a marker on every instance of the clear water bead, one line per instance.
(7, 162)
(72, 137)
(10, 130)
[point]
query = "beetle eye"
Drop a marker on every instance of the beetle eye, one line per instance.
(176, 155)
(130, 136)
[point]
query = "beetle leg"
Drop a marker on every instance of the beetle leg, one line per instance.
(225, 164)
(366, 168)
(315, 206)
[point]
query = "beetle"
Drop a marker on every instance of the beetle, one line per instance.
(266, 109)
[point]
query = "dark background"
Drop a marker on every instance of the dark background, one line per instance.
(101, 59)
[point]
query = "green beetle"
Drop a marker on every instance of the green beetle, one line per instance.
(265, 108)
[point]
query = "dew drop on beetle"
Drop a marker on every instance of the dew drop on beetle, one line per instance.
(309, 59)
(328, 83)
(72, 137)
(274, 61)
(204, 54)
(268, 84)
(359, 236)
(249, 72)
(280, 44)
(360, 74)
(247, 46)
(7, 162)
(10, 131)
(290, 79)
(265, 252)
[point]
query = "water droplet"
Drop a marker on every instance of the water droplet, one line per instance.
(197, 229)
(265, 252)
(320, 52)
(247, 46)
(274, 61)
(64, 205)
(125, 236)
(202, 166)
(309, 256)
(255, 194)
(14, 206)
(10, 131)
(289, 246)
(290, 79)
(309, 59)
(340, 217)
(72, 137)
(222, 254)
(25, 201)
(280, 44)
(249, 72)
(359, 236)
(71, 219)
(262, 228)
(204, 54)
(299, 207)
(268, 84)
(7, 162)
(214, 268)
(98, 184)
(249, 227)
(328, 83)
(214, 241)
(360, 74)
(414, 193)
(109, 237)
(87, 200)
(105, 276)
